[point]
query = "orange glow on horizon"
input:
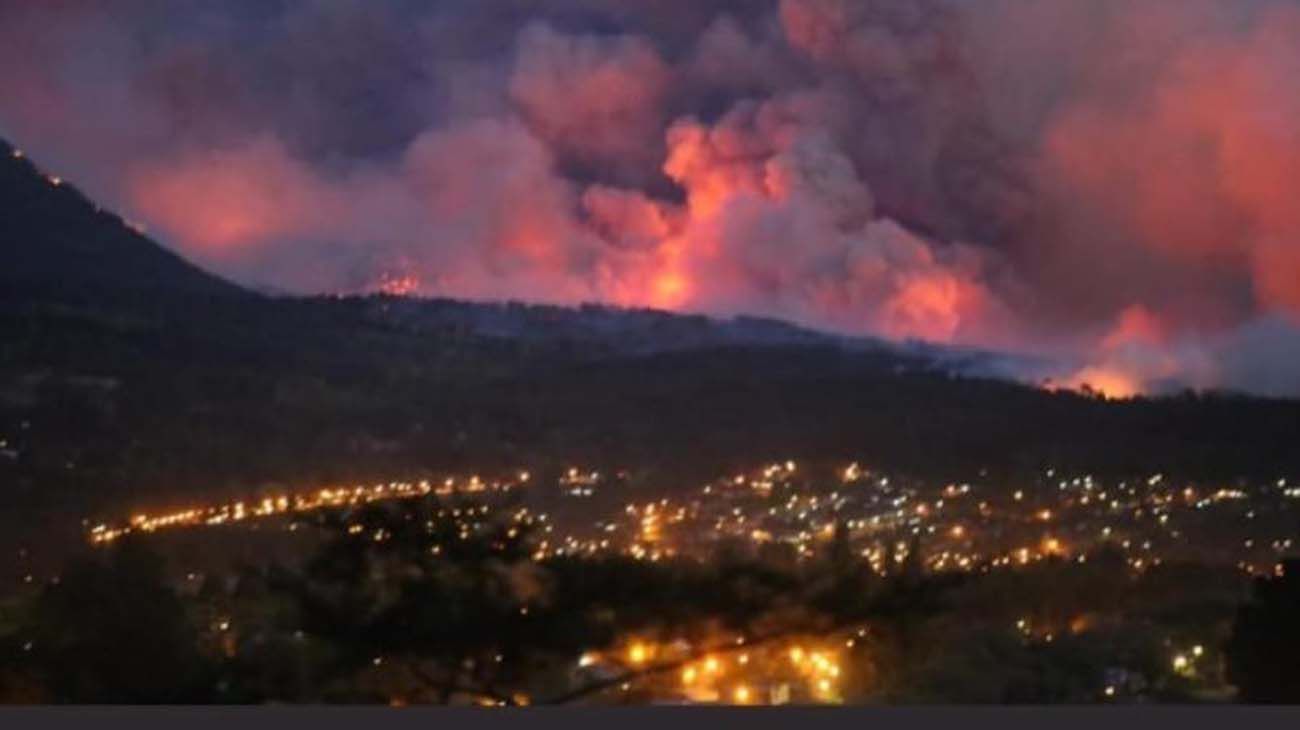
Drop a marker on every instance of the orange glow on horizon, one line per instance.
(669, 290)
(1110, 384)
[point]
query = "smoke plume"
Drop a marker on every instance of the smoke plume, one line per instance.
(1110, 184)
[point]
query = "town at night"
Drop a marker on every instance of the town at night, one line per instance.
(479, 356)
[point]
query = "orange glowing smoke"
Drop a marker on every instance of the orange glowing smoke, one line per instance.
(1129, 358)
(1137, 325)
(772, 211)
(772, 218)
(1202, 162)
(595, 98)
(669, 290)
(932, 306)
(773, 208)
(398, 285)
(223, 203)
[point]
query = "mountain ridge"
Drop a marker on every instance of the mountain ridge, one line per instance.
(127, 373)
(65, 250)
(61, 248)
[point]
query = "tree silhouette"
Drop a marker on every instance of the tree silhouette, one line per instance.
(451, 603)
(444, 598)
(1263, 652)
(113, 630)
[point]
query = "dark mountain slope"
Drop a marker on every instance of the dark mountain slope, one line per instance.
(57, 247)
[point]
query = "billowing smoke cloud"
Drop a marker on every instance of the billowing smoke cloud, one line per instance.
(598, 100)
(1109, 183)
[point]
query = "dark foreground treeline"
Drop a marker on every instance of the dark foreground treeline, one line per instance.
(397, 607)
